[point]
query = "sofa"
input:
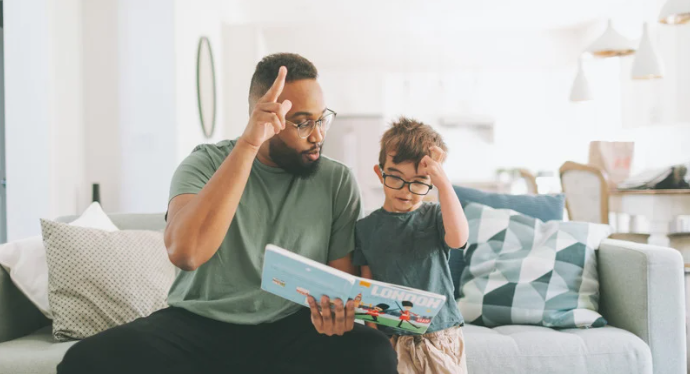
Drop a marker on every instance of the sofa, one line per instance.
(642, 297)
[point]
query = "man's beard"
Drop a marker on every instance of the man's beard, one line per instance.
(291, 160)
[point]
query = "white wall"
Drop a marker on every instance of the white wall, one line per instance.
(141, 104)
(44, 122)
(101, 84)
(194, 19)
(69, 190)
(243, 47)
(147, 127)
(102, 92)
(28, 114)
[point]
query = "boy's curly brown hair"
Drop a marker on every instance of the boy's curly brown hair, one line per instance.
(410, 140)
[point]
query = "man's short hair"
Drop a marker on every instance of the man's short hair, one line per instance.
(411, 140)
(266, 72)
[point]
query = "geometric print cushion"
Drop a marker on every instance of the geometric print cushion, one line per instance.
(523, 271)
(99, 279)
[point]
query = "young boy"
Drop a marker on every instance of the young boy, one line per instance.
(408, 242)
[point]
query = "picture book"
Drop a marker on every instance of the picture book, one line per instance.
(295, 277)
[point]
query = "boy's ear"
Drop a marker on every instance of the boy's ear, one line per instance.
(379, 172)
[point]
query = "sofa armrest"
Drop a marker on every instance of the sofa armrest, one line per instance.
(18, 316)
(642, 291)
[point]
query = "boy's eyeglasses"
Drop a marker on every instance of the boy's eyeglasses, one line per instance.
(305, 128)
(397, 183)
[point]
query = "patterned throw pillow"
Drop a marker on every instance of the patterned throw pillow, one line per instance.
(99, 279)
(543, 207)
(524, 271)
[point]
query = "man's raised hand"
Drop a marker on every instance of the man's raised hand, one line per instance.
(268, 116)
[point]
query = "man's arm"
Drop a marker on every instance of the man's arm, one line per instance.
(197, 224)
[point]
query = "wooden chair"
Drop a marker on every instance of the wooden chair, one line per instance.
(530, 181)
(587, 197)
(586, 192)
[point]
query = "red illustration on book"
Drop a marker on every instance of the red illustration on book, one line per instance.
(405, 313)
(375, 312)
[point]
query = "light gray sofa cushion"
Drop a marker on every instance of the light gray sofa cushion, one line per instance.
(504, 350)
(536, 349)
(38, 352)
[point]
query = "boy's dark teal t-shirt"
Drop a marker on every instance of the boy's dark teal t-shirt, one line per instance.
(409, 249)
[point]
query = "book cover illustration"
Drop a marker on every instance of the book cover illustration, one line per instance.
(295, 277)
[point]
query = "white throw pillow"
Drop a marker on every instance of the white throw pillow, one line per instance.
(25, 260)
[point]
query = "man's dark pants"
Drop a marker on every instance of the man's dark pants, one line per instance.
(174, 340)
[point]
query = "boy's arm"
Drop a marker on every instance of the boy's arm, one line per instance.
(454, 220)
(344, 264)
(366, 273)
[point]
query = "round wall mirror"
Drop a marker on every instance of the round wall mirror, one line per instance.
(206, 87)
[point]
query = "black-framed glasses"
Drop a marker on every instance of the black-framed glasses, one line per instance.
(305, 128)
(397, 183)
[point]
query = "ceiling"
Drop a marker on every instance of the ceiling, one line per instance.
(528, 14)
(432, 35)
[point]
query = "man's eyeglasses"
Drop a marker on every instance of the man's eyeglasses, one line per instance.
(305, 128)
(397, 183)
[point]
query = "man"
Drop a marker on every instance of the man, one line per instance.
(227, 201)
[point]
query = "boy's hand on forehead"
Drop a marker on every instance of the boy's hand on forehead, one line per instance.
(268, 116)
(431, 166)
(437, 154)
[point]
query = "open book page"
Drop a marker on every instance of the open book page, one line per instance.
(294, 277)
(395, 306)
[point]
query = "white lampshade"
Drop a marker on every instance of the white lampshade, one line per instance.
(611, 44)
(675, 12)
(646, 64)
(580, 90)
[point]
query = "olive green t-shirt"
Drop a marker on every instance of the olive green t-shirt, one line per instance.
(313, 217)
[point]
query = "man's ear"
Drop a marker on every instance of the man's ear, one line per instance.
(251, 100)
(379, 172)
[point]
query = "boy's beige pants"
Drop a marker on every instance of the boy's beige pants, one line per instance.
(440, 352)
